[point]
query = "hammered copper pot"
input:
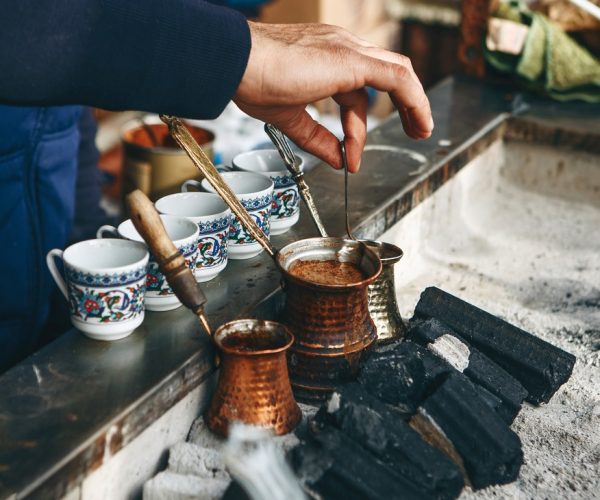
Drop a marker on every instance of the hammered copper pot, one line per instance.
(331, 323)
(254, 386)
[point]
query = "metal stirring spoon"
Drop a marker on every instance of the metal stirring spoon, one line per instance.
(289, 159)
(345, 166)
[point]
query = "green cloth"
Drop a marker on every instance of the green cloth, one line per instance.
(551, 61)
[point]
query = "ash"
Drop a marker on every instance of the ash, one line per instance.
(517, 233)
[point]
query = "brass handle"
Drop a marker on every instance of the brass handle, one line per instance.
(172, 264)
(183, 137)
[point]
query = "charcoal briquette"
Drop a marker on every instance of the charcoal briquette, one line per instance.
(490, 452)
(378, 428)
(539, 366)
(402, 376)
(332, 465)
(445, 342)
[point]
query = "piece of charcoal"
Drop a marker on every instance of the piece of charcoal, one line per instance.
(490, 451)
(376, 427)
(332, 465)
(402, 375)
(539, 366)
(457, 351)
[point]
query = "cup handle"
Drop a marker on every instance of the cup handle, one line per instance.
(107, 229)
(60, 282)
(185, 187)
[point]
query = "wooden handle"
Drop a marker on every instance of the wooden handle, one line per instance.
(148, 223)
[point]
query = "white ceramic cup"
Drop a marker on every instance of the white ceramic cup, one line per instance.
(255, 192)
(213, 220)
(184, 234)
(105, 285)
(286, 199)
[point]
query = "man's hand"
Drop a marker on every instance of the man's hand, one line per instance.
(293, 65)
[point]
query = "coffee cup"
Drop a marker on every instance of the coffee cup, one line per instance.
(286, 200)
(213, 219)
(104, 283)
(255, 192)
(184, 233)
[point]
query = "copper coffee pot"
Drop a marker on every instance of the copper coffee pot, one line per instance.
(331, 323)
(383, 306)
(254, 386)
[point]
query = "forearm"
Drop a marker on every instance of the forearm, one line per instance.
(183, 57)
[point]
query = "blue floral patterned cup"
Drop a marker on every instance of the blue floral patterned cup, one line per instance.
(184, 233)
(212, 218)
(255, 193)
(286, 199)
(104, 283)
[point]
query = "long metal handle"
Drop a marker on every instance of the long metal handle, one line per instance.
(289, 159)
(148, 223)
(183, 137)
(345, 166)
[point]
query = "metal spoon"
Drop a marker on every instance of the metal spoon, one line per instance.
(289, 158)
(345, 166)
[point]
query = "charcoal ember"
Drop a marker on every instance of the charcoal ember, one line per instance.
(401, 375)
(417, 379)
(443, 341)
(489, 451)
(539, 366)
(332, 465)
(377, 427)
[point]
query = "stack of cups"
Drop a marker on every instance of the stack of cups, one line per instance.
(108, 282)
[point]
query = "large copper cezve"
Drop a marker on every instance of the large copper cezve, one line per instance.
(331, 323)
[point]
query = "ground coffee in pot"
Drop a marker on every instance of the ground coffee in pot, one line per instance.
(327, 272)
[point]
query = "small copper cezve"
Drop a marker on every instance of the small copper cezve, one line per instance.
(254, 386)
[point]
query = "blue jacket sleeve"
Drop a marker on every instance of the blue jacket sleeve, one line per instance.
(182, 57)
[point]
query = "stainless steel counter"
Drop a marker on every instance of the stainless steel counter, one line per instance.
(58, 407)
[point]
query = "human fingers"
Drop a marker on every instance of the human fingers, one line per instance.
(396, 76)
(310, 136)
(353, 113)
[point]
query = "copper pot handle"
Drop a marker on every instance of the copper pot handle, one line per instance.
(172, 264)
(185, 140)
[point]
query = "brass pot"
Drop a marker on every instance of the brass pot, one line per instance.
(254, 386)
(383, 306)
(158, 170)
(331, 323)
